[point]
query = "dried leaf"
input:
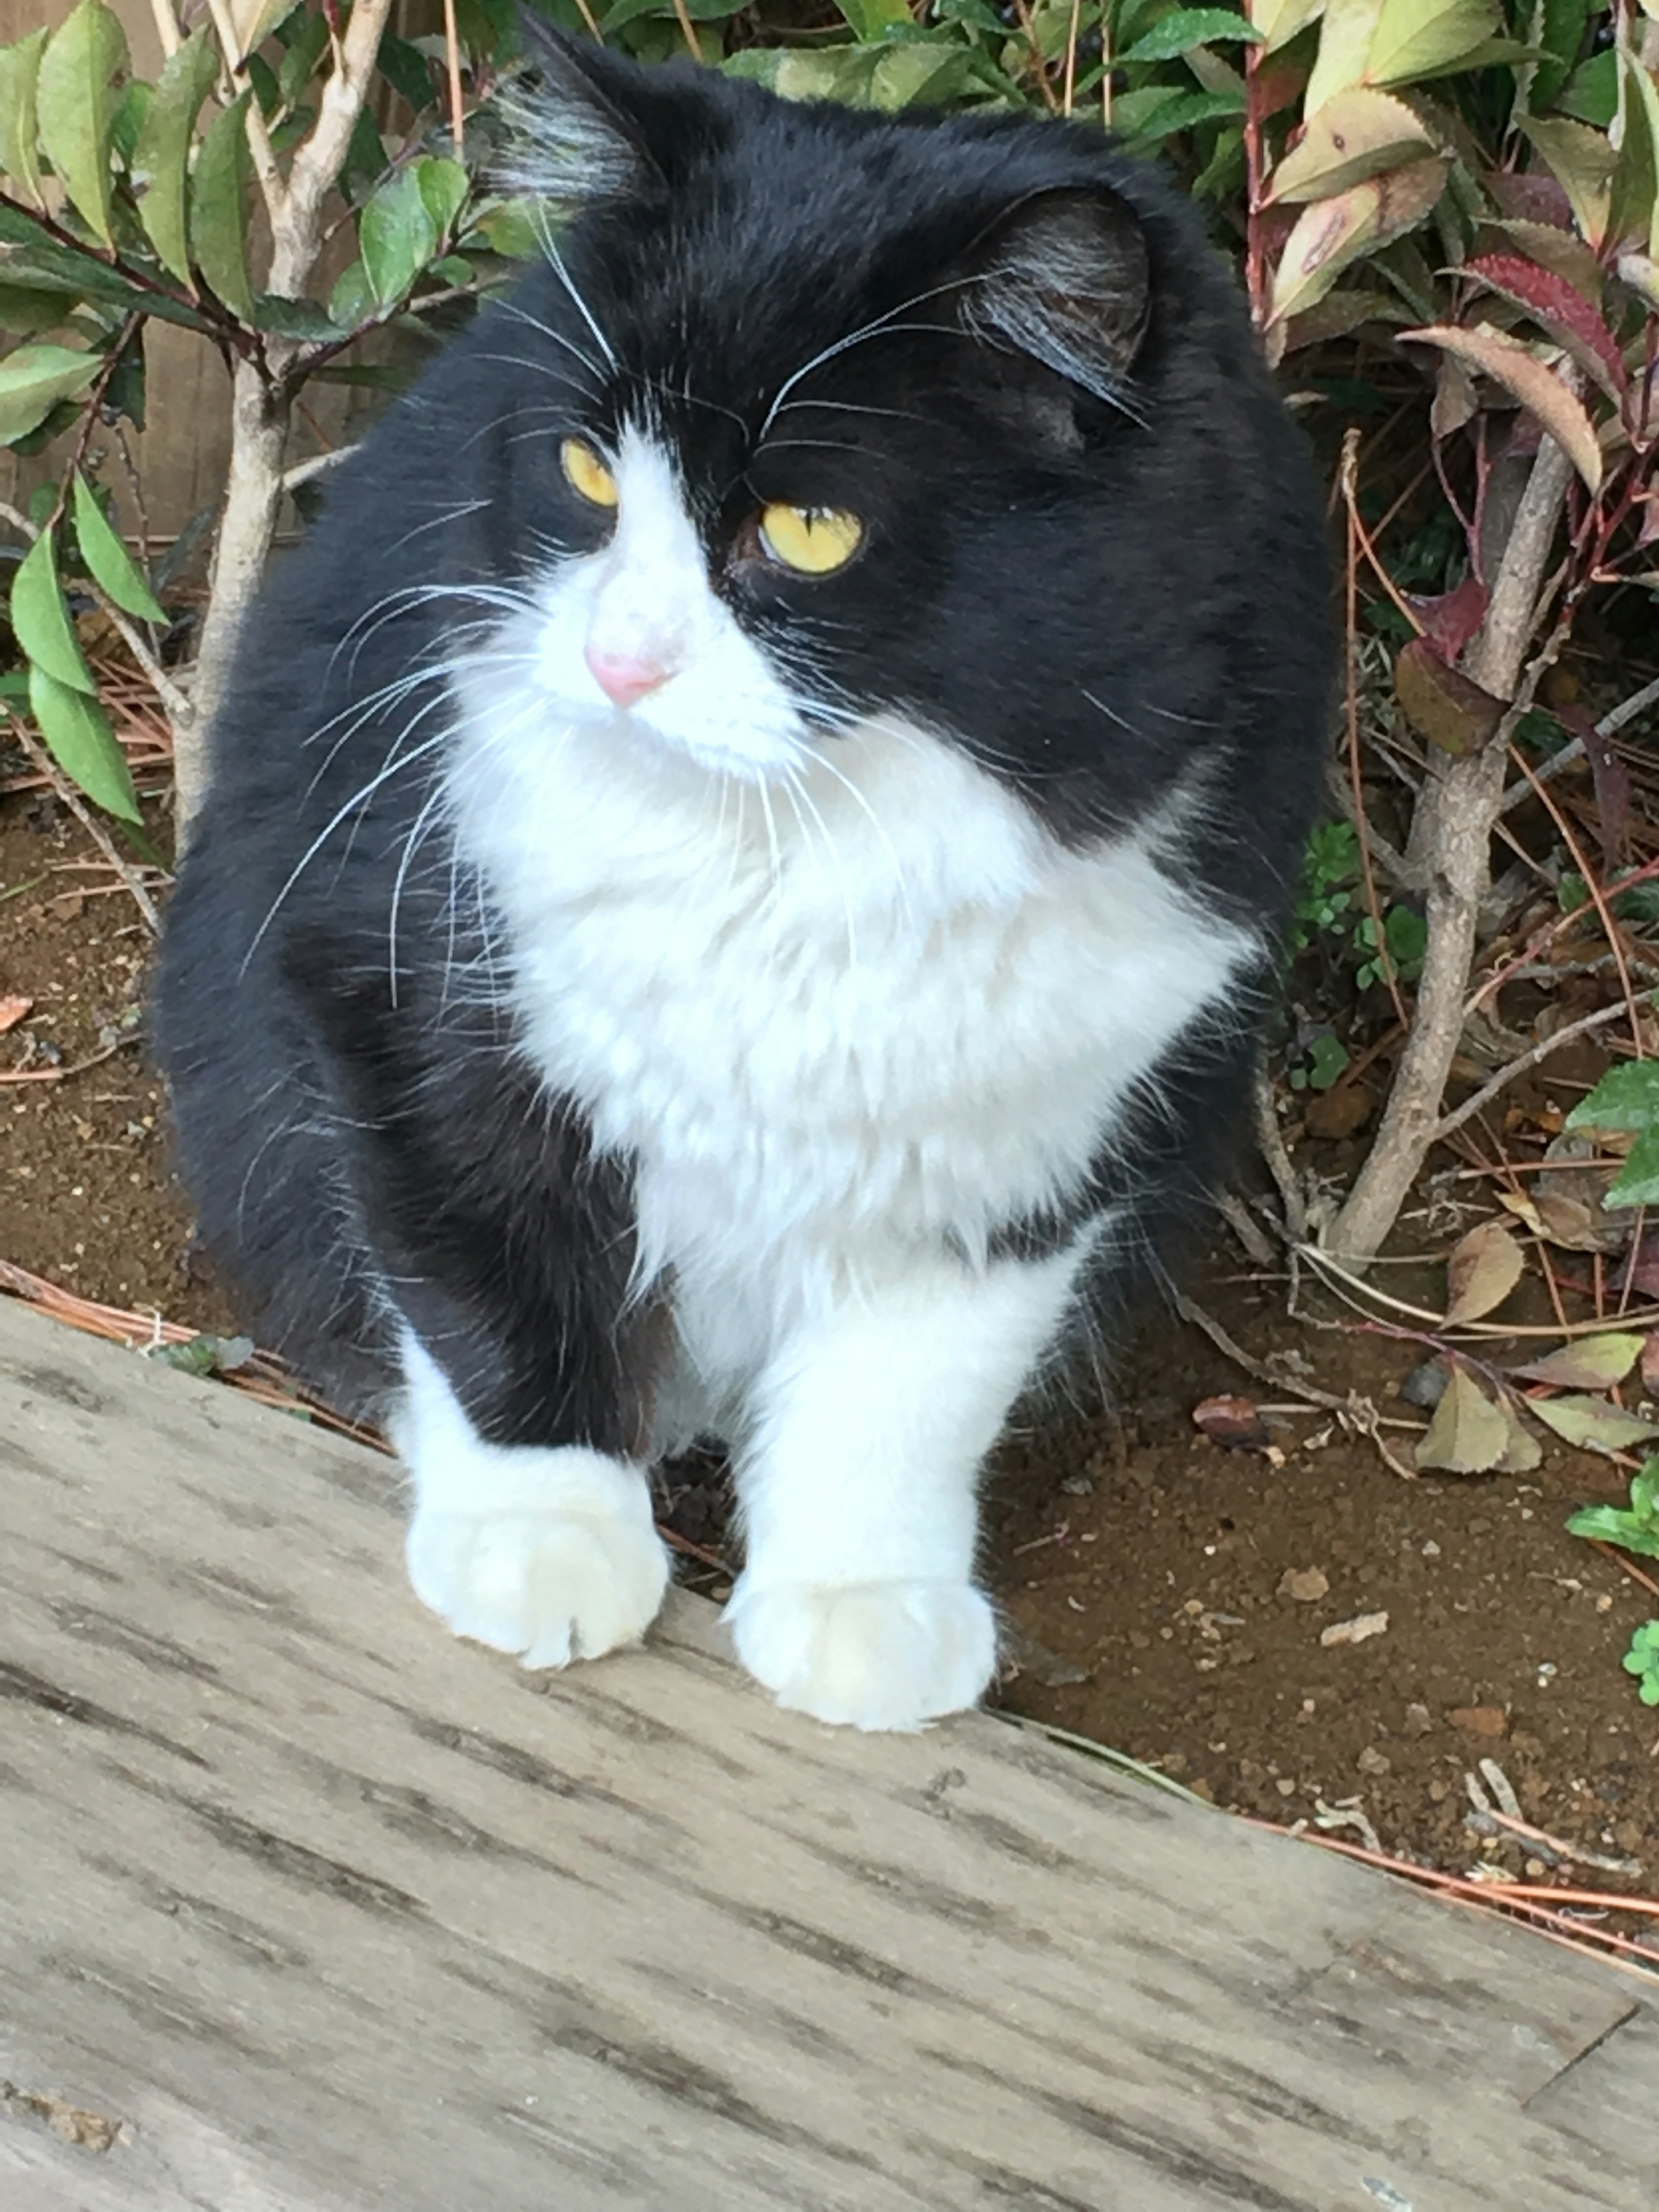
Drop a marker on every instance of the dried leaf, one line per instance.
(1443, 705)
(1469, 1434)
(1233, 1423)
(1330, 234)
(1536, 386)
(1450, 620)
(1356, 134)
(1592, 1423)
(12, 1012)
(1590, 1363)
(1484, 1267)
(1523, 1452)
(1564, 312)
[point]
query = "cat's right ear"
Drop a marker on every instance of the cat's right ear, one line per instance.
(1063, 277)
(581, 119)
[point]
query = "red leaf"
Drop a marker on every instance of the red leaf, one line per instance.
(1532, 199)
(12, 1012)
(1450, 621)
(1612, 780)
(1562, 310)
(1233, 1423)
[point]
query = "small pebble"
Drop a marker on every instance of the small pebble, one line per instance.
(1490, 1721)
(1373, 1761)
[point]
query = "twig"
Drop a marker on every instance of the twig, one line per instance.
(1237, 1215)
(1629, 1565)
(1356, 780)
(272, 188)
(1576, 1854)
(688, 30)
(1505, 1075)
(167, 28)
(452, 60)
(303, 472)
(1270, 1142)
(62, 1074)
(1610, 724)
(1070, 58)
(88, 821)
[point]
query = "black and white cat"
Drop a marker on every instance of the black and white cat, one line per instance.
(744, 857)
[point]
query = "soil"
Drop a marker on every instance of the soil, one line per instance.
(1166, 1595)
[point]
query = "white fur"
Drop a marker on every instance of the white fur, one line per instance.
(549, 1553)
(848, 1008)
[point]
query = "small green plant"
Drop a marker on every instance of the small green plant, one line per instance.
(1325, 898)
(1327, 1061)
(1637, 1530)
(1642, 1660)
(1626, 1101)
(1406, 936)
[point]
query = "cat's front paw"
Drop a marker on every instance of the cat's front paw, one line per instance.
(551, 1586)
(866, 1655)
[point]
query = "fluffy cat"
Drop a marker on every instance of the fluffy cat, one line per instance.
(744, 856)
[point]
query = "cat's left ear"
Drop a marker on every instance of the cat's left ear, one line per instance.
(587, 122)
(1064, 276)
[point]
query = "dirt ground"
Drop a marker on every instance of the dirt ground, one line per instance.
(1166, 1596)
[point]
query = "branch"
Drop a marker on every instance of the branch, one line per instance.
(66, 791)
(1539, 1052)
(167, 28)
(1451, 837)
(316, 166)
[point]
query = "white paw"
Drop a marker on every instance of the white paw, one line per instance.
(551, 1585)
(866, 1655)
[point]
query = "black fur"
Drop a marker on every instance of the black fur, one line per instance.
(1095, 581)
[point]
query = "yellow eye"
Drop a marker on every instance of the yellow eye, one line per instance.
(812, 540)
(586, 473)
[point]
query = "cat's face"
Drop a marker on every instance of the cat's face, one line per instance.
(813, 417)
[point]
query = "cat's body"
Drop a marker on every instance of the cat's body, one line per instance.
(627, 985)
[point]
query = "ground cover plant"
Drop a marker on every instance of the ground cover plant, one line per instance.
(1446, 215)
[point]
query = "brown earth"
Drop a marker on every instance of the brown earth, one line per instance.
(1166, 1595)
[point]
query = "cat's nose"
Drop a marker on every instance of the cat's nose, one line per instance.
(625, 676)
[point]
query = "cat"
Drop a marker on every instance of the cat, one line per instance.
(746, 856)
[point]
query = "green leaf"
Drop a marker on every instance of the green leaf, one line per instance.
(20, 71)
(32, 381)
(351, 303)
(1558, 26)
(1280, 21)
(1633, 212)
(162, 153)
(1356, 134)
(1415, 38)
(108, 561)
(76, 98)
(1591, 92)
(83, 744)
(1184, 111)
(26, 312)
(218, 207)
(1581, 160)
(396, 235)
(79, 740)
(296, 319)
(870, 18)
(403, 65)
(1626, 1098)
(443, 186)
(1592, 1423)
(40, 621)
(1588, 1363)
(1638, 1182)
(1186, 28)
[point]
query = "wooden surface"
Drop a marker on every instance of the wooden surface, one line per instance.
(305, 1905)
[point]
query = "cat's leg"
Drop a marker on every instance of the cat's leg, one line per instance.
(504, 1249)
(858, 1483)
(546, 1549)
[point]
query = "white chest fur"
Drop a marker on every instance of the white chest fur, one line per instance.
(834, 1019)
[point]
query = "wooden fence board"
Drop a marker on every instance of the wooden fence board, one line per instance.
(316, 1907)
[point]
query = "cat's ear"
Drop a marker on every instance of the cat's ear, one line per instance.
(1063, 277)
(581, 120)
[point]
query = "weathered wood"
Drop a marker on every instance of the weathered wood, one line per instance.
(327, 1910)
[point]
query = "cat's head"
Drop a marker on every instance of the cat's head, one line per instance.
(811, 415)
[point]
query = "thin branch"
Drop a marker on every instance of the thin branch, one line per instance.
(317, 161)
(453, 64)
(305, 473)
(167, 28)
(1530, 1059)
(1609, 726)
(95, 829)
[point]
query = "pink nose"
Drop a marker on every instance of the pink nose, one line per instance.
(624, 676)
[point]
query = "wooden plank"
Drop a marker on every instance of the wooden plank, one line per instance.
(320, 1908)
